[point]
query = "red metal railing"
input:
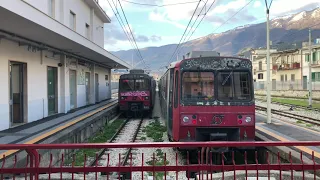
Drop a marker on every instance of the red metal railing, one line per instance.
(31, 166)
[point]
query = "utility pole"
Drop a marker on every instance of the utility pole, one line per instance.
(268, 71)
(310, 72)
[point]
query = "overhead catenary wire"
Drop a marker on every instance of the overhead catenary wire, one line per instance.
(121, 23)
(232, 16)
(190, 29)
(224, 21)
(184, 32)
(116, 13)
(199, 23)
(134, 40)
(156, 5)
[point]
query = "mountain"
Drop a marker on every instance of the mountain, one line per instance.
(289, 29)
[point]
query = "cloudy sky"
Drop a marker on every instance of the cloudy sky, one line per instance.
(165, 23)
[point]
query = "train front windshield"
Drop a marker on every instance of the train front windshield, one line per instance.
(134, 85)
(234, 86)
(197, 86)
(230, 86)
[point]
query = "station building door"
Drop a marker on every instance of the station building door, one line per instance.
(97, 87)
(87, 84)
(52, 80)
(18, 93)
(73, 88)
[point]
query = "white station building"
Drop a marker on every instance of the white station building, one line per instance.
(52, 58)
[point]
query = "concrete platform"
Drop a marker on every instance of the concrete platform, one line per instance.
(280, 130)
(34, 132)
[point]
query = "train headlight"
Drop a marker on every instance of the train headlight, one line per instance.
(248, 119)
(146, 97)
(123, 97)
(185, 119)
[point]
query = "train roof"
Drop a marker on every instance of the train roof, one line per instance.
(135, 76)
(177, 63)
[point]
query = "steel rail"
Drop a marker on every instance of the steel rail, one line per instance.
(100, 154)
(128, 153)
(310, 120)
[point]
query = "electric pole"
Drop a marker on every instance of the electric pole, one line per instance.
(310, 72)
(268, 71)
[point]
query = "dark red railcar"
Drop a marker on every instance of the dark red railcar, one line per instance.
(136, 92)
(208, 99)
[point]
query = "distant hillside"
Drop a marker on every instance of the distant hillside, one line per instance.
(291, 29)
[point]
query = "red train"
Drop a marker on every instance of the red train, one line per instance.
(208, 99)
(136, 92)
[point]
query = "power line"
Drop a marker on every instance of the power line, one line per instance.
(122, 24)
(134, 40)
(184, 31)
(232, 16)
(190, 29)
(145, 4)
(223, 22)
(198, 23)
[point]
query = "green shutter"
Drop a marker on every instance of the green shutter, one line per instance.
(307, 57)
(314, 57)
(313, 76)
(318, 76)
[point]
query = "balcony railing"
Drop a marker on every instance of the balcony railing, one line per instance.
(289, 66)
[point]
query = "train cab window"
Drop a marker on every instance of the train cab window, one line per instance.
(234, 86)
(197, 86)
(127, 85)
(141, 84)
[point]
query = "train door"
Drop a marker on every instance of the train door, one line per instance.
(175, 109)
(170, 106)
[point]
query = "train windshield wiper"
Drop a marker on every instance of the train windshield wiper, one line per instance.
(225, 80)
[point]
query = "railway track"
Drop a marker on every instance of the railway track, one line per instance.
(291, 105)
(306, 119)
(127, 132)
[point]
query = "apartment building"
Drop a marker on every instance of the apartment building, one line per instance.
(289, 68)
(52, 58)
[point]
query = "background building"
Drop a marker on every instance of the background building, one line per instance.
(289, 67)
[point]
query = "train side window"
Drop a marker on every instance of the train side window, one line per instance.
(176, 89)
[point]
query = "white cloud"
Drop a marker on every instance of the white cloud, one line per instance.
(257, 4)
(154, 16)
(283, 7)
(231, 5)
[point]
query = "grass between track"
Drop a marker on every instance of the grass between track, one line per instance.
(155, 131)
(101, 137)
(298, 102)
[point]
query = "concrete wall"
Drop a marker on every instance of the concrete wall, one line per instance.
(296, 72)
(37, 64)
(82, 10)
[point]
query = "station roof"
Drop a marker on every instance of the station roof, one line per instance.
(23, 20)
